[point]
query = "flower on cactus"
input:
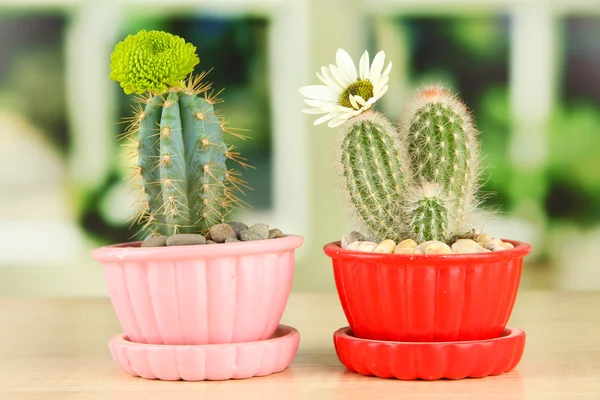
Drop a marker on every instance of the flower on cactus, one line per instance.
(347, 92)
(152, 61)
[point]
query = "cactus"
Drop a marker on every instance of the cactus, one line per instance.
(419, 182)
(182, 177)
(443, 150)
(429, 214)
(374, 174)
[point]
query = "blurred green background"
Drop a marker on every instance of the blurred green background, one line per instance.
(531, 75)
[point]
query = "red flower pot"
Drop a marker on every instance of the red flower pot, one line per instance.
(427, 298)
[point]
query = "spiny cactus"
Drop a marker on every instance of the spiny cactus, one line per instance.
(428, 213)
(181, 174)
(374, 174)
(443, 150)
(420, 182)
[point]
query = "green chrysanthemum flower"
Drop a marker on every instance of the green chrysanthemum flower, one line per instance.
(152, 61)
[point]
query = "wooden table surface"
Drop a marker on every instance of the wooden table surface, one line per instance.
(55, 349)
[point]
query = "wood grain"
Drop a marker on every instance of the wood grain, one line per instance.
(55, 349)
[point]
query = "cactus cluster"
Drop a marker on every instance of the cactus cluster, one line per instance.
(182, 179)
(419, 181)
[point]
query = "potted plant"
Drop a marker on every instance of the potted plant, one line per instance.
(425, 295)
(200, 297)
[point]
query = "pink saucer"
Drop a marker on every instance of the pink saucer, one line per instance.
(213, 362)
(430, 360)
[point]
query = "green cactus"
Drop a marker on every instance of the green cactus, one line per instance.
(443, 150)
(420, 182)
(374, 175)
(429, 214)
(184, 183)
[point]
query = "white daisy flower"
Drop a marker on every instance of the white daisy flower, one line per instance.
(346, 94)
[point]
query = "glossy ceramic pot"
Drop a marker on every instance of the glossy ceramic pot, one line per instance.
(427, 298)
(201, 294)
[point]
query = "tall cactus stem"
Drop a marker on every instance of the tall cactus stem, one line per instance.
(443, 149)
(374, 175)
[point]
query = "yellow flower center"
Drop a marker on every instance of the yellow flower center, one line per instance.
(362, 88)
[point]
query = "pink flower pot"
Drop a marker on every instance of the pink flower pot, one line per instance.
(202, 294)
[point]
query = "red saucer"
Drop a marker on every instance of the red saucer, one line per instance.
(429, 360)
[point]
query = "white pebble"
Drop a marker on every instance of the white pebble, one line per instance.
(508, 245)
(353, 246)
(386, 246)
(367, 246)
(350, 238)
(362, 246)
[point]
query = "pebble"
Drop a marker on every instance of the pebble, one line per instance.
(367, 246)
(404, 250)
(508, 245)
(238, 227)
(211, 242)
(220, 232)
(422, 246)
(438, 248)
(155, 241)
(362, 246)
(408, 243)
(232, 240)
(255, 232)
(275, 234)
(484, 237)
(353, 245)
(467, 246)
(350, 238)
(185, 239)
(386, 246)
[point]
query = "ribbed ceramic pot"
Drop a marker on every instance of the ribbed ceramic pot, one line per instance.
(201, 294)
(427, 298)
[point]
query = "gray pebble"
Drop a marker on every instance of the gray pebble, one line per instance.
(210, 242)
(220, 232)
(185, 239)
(155, 241)
(275, 233)
(232, 240)
(238, 227)
(255, 232)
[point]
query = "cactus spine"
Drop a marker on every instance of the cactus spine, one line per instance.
(185, 184)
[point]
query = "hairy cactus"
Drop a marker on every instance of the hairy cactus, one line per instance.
(374, 175)
(420, 182)
(181, 174)
(444, 152)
